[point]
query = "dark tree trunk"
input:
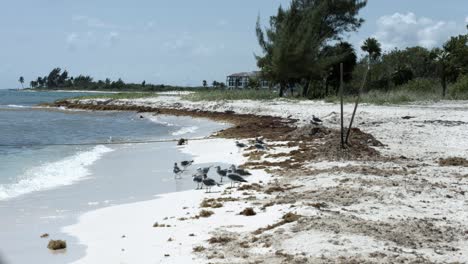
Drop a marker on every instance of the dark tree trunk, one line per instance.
(326, 87)
(281, 90)
(444, 84)
(291, 89)
(305, 90)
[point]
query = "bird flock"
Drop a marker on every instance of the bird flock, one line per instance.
(234, 174)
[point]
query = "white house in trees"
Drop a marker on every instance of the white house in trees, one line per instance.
(241, 80)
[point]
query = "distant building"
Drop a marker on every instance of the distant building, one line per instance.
(241, 80)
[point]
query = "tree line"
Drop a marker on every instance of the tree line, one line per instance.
(60, 79)
(302, 49)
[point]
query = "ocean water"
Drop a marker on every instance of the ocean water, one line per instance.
(56, 164)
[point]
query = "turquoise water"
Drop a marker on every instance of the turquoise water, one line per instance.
(35, 151)
(46, 183)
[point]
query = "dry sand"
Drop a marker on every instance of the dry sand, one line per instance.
(397, 203)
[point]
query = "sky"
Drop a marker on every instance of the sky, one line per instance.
(182, 42)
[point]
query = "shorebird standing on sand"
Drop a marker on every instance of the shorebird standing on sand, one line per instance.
(241, 172)
(316, 119)
(198, 178)
(240, 144)
(260, 146)
(186, 163)
(177, 171)
(221, 173)
(259, 140)
(208, 182)
(204, 170)
(235, 178)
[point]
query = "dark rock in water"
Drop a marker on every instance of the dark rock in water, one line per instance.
(229, 112)
(57, 244)
(182, 141)
(407, 117)
(142, 116)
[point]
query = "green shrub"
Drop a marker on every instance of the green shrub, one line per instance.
(128, 95)
(421, 85)
(243, 94)
(459, 90)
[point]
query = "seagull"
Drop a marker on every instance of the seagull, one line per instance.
(109, 140)
(221, 173)
(198, 178)
(260, 146)
(208, 182)
(316, 119)
(177, 171)
(259, 140)
(240, 144)
(204, 170)
(235, 178)
(241, 172)
(186, 163)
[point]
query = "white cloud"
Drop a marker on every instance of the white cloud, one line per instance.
(403, 30)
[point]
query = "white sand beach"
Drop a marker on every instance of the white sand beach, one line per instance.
(405, 207)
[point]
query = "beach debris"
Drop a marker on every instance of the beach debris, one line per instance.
(57, 244)
(206, 213)
(170, 239)
(453, 161)
(167, 255)
(199, 249)
(160, 225)
(287, 218)
(220, 240)
(182, 141)
(210, 203)
(191, 235)
(208, 182)
(45, 235)
(249, 211)
(123, 236)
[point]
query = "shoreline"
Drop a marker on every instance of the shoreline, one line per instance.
(328, 202)
(61, 197)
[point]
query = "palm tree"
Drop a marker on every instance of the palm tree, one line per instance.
(21, 80)
(372, 47)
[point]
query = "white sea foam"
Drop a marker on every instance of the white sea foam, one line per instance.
(159, 120)
(51, 175)
(16, 106)
(185, 130)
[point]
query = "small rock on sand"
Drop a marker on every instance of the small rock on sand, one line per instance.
(57, 244)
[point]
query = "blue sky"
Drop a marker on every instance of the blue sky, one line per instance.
(181, 42)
